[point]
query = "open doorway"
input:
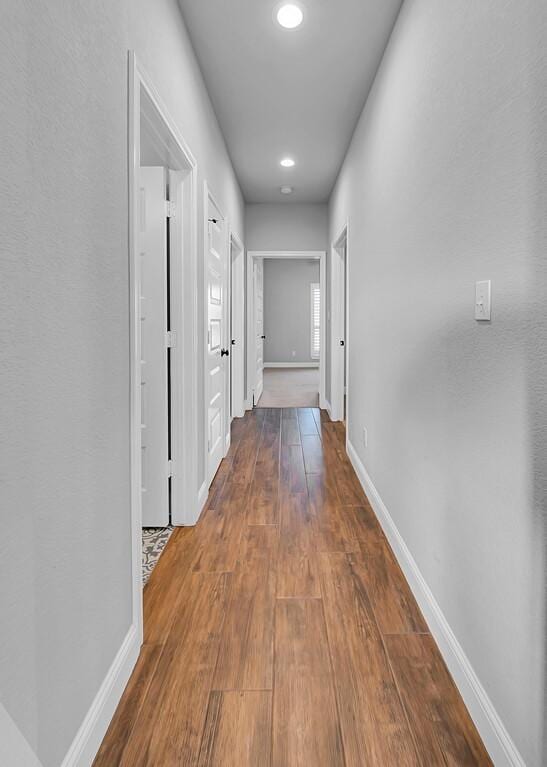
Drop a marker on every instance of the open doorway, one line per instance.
(286, 327)
(163, 329)
(339, 326)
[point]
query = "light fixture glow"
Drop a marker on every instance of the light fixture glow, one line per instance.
(290, 16)
(286, 189)
(287, 162)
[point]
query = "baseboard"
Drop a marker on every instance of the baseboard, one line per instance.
(291, 364)
(202, 497)
(496, 739)
(89, 737)
(327, 406)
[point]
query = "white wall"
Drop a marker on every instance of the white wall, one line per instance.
(444, 184)
(287, 309)
(286, 226)
(65, 545)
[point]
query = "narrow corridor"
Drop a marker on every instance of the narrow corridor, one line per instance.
(280, 629)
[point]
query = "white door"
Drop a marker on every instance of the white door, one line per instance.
(217, 346)
(259, 327)
(153, 315)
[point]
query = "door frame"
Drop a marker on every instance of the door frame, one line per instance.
(143, 95)
(237, 308)
(208, 196)
(252, 255)
(339, 297)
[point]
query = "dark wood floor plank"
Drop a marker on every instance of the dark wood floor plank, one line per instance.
(312, 448)
(165, 590)
(297, 574)
(306, 421)
(306, 728)
(263, 498)
(237, 730)
(393, 603)
(349, 490)
(292, 475)
(169, 727)
(290, 431)
(334, 528)
(373, 723)
(245, 660)
(220, 530)
(259, 546)
(243, 464)
(363, 525)
(444, 732)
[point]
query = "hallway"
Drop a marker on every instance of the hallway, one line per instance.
(279, 630)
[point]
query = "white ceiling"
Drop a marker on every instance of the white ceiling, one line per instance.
(278, 92)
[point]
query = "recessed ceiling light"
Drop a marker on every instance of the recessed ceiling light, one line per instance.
(286, 189)
(287, 162)
(290, 15)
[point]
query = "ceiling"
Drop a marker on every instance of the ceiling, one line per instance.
(279, 92)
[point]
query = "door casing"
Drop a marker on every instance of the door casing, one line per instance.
(252, 255)
(146, 103)
(339, 292)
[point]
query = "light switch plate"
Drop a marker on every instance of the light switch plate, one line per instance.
(483, 300)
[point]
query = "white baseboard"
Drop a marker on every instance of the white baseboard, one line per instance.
(202, 497)
(496, 739)
(291, 364)
(89, 737)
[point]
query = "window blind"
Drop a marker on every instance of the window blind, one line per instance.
(315, 294)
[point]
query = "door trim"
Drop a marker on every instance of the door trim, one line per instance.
(338, 292)
(237, 305)
(144, 95)
(252, 255)
(208, 196)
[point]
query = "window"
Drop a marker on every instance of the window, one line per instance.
(315, 295)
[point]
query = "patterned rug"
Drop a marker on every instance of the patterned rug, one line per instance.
(154, 540)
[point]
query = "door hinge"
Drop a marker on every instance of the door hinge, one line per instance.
(170, 339)
(170, 468)
(170, 209)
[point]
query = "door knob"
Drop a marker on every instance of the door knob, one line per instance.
(262, 337)
(342, 343)
(224, 353)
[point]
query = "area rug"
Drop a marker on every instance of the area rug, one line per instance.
(154, 540)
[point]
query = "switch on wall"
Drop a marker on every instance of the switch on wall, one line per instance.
(483, 300)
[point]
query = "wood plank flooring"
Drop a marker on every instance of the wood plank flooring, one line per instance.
(280, 631)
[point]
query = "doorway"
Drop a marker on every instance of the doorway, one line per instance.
(339, 326)
(163, 325)
(286, 343)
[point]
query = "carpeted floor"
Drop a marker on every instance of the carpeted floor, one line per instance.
(154, 540)
(290, 387)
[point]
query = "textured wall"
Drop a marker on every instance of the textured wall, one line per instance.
(444, 184)
(287, 309)
(65, 599)
(286, 226)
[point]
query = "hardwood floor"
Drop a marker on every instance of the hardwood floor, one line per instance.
(280, 630)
